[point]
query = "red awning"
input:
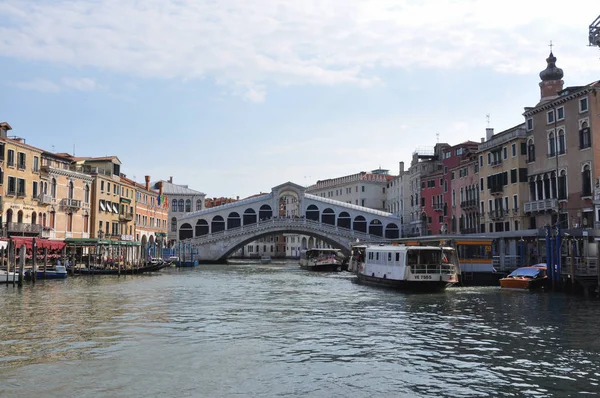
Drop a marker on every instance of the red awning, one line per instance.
(40, 243)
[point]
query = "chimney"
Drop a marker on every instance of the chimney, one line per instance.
(489, 132)
(160, 188)
(171, 179)
(482, 140)
(147, 178)
(4, 128)
(401, 167)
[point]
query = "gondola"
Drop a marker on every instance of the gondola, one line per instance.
(149, 267)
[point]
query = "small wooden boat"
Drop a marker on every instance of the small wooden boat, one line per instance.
(8, 277)
(265, 260)
(527, 278)
(322, 259)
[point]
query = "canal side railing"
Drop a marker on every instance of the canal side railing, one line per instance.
(286, 223)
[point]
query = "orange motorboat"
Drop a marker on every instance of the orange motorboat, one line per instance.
(533, 277)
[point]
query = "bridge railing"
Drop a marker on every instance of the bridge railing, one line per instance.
(290, 223)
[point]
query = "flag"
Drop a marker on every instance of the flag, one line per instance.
(158, 198)
(166, 200)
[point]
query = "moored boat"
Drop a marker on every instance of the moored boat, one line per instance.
(322, 259)
(417, 268)
(57, 272)
(265, 260)
(533, 277)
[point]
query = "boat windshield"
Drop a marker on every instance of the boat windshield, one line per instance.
(425, 256)
(525, 272)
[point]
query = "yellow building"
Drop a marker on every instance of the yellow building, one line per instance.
(65, 194)
(21, 213)
(503, 180)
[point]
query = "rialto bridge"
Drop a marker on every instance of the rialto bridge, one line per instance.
(217, 232)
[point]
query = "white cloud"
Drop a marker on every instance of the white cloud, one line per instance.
(41, 85)
(80, 83)
(250, 44)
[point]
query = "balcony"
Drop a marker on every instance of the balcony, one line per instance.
(44, 199)
(497, 215)
(126, 217)
(438, 207)
(468, 204)
(70, 204)
(48, 233)
(541, 205)
(496, 189)
(497, 163)
(14, 227)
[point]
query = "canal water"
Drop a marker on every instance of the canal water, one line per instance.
(276, 330)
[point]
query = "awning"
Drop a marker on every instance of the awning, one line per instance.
(108, 207)
(40, 243)
(102, 206)
(115, 208)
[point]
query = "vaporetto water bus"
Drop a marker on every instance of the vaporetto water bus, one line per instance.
(322, 259)
(419, 268)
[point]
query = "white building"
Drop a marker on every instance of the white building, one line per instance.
(181, 200)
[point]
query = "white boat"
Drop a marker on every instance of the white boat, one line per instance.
(8, 277)
(265, 260)
(419, 268)
(57, 272)
(322, 259)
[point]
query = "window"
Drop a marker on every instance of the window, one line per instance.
(480, 160)
(21, 187)
(188, 205)
(362, 187)
(459, 151)
(529, 124)
(102, 186)
(86, 197)
(584, 136)
(550, 117)
(513, 176)
(516, 203)
(530, 151)
(34, 189)
(180, 205)
(551, 145)
(489, 158)
(108, 187)
(174, 206)
(562, 185)
(12, 186)
(447, 155)
(53, 188)
(21, 160)
(505, 153)
(10, 162)
(561, 142)
(586, 181)
(513, 149)
(36, 164)
(560, 113)
(199, 204)
(583, 105)
(71, 190)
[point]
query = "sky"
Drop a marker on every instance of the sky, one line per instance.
(233, 98)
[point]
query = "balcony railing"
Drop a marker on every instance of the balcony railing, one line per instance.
(44, 199)
(497, 214)
(23, 228)
(541, 205)
(438, 207)
(70, 203)
(496, 163)
(126, 217)
(496, 189)
(468, 204)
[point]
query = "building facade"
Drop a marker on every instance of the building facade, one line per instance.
(503, 182)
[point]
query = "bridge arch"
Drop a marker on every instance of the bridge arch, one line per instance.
(344, 220)
(392, 231)
(201, 228)
(375, 227)
(217, 224)
(360, 224)
(265, 212)
(249, 217)
(328, 216)
(185, 231)
(312, 213)
(234, 220)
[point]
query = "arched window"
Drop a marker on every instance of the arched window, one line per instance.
(174, 223)
(188, 205)
(584, 136)
(551, 145)
(71, 190)
(53, 188)
(180, 205)
(199, 204)
(586, 181)
(562, 148)
(530, 151)
(87, 194)
(562, 185)
(174, 206)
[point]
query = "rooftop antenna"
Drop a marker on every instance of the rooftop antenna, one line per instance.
(487, 117)
(53, 151)
(73, 149)
(437, 137)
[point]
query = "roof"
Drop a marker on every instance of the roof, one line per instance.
(174, 189)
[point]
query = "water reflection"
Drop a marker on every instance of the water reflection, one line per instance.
(275, 330)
